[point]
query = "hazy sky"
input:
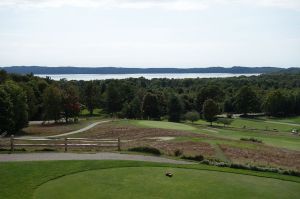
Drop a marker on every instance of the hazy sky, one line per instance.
(150, 33)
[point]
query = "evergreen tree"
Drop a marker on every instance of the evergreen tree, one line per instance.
(150, 106)
(113, 98)
(174, 108)
(246, 100)
(91, 95)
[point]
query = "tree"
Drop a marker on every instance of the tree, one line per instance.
(210, 110)
(70, 102)
(6, 112)
(150, 106)
(3, 76)
(32, 101)
(297, 103)
(91, 94)
(174, 108)
(192, 116)
(19, 105)
(52, 100)
(275, 103)
(246, 100)
(133, 109)
(113, 98)
(228, 106)
(213, 92)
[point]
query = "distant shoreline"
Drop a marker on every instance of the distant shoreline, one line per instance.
(119, 70)
(88, 77)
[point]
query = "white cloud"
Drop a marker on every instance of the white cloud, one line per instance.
(144, 4)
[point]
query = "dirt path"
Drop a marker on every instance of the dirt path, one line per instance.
(80, 130)
(69, 133)
(85, 156)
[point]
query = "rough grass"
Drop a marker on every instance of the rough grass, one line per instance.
(21, 179)
(277, 139)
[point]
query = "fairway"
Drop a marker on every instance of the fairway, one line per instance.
(165, 125)
(151, 182)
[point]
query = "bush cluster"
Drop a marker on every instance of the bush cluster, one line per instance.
(146, 149)
(252, 167)
(251, 140)
(198, 158)
(178, 152)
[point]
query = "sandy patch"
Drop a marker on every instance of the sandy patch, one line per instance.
(163, 138)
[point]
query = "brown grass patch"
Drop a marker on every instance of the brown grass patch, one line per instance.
(264, 155)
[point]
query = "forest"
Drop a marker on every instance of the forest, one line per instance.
(25, 98)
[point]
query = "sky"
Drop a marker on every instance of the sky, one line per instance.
(150, 33)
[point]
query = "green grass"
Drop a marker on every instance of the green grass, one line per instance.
(293, 120)
(282, 139)
(129, 179)
(150, 182)
(161, 124)
(286, 125)
(86, 112)
(276, 139)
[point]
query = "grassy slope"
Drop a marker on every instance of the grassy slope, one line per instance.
(272, 139)
(20, 179)
(162, 125)
(283, 140)
(186, 183)
(263, 123)
(293, 120)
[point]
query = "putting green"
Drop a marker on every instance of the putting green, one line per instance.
(151, 182)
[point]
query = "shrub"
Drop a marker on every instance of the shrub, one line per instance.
(251, 139)
(192, 116)
(198, 158)
(178, 152)
(252, 167)
(146, 149)
(229, 115)
(225, 121)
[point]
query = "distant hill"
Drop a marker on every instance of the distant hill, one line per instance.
(120, 70)
(290, 70)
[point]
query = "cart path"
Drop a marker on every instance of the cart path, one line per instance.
(69, 133)
(85, 156)
(285, 123)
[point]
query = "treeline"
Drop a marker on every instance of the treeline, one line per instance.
(26, 97)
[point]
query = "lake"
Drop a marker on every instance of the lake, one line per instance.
(87, 77)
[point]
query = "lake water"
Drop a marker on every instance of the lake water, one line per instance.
(87, 77)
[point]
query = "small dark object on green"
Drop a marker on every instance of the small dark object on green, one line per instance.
(168, 174)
